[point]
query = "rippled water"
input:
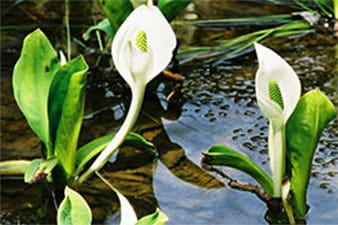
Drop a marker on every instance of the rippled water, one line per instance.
(214, 105)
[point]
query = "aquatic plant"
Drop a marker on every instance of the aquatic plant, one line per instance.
(142, 48)
(50, 93)
(278, 91)
(295, 126)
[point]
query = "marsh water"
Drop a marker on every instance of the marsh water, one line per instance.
(214, 104)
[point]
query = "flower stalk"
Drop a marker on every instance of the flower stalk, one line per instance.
(277, 153)
(129, 122)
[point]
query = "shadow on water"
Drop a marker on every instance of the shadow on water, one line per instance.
(211, 105)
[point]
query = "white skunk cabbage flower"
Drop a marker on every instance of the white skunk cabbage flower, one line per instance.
(143, 45)
(278, 90)
(141, 49)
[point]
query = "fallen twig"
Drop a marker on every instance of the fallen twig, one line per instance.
(233, 183)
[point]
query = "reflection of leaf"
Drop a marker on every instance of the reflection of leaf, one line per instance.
(103, 25)
(224, 156)
(73, 209)
(174, 158)
(303, 130)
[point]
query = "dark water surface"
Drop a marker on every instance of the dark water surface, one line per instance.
(214, 105)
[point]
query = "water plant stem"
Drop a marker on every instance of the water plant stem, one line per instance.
(67, 29)
(138, 91)
(285, 200)
(277, 153)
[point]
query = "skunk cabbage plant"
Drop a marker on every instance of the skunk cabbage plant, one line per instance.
(278, 91)
(141, 49)
(295, 126)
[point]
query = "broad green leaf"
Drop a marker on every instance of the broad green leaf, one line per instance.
(157, 218)
(116, 11)
(91, 149)
(14, 167)
(65, 109)
(39, 169)
(103, 25)
(32, 77)
(303, 130)
(73, 209)
(171, 8)
(225, 156)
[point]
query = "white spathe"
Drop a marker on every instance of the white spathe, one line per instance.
(273, 68)
(133, 64)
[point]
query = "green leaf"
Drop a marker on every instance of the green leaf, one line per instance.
(116, 11)
(303, 130)
(14, 167)
(65, 109)
(157, 218)
(171, 8)
(32, 77)
(39, 169)
(103, 25)
(225, 156)
(73, 209)
(91, 149)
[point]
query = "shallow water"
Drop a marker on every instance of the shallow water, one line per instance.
(215, 105)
